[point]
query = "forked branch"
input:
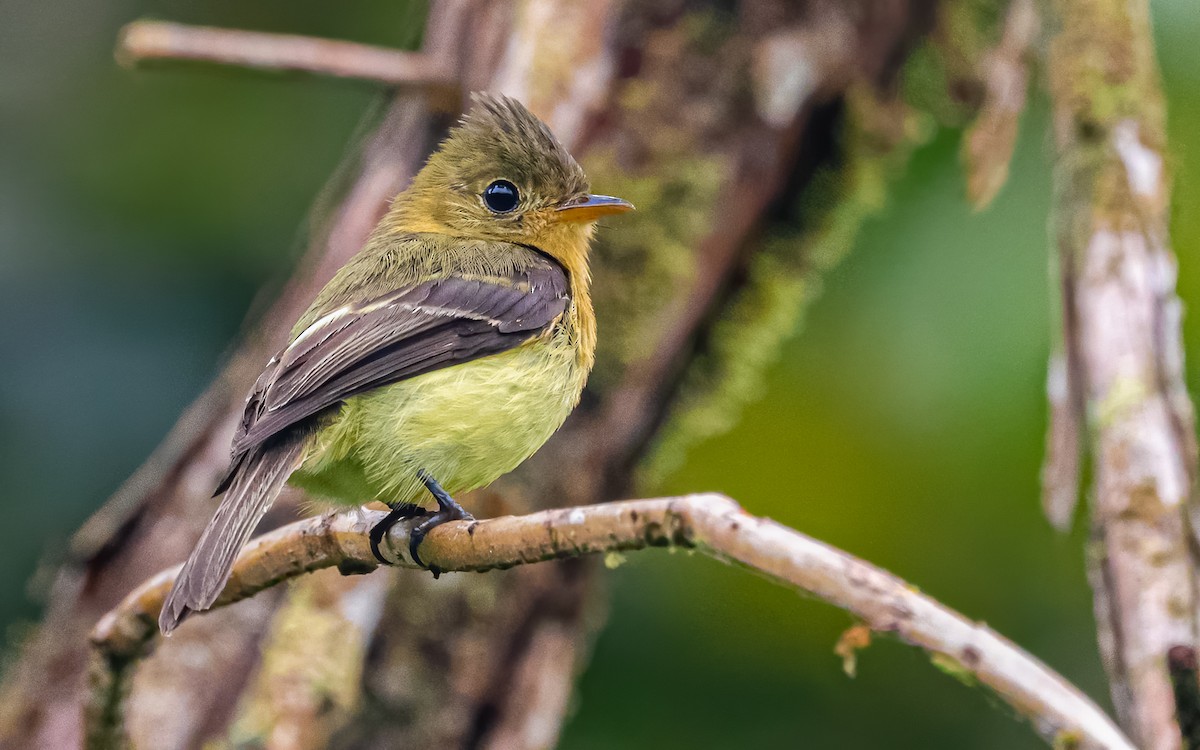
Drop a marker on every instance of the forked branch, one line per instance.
(708, 523)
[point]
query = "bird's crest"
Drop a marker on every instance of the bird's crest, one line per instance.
(499, 136)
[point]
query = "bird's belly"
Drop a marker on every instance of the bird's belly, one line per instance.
(465, 425)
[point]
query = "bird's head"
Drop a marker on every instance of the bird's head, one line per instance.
(502, 175)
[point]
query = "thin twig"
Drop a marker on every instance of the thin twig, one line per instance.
(1062, 466)
(712, 524)
(143, 42)
(988, 145)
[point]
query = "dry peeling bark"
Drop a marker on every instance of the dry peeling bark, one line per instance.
(682, 108)
(1120, 385)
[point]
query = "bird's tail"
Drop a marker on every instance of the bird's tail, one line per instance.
(253, 488)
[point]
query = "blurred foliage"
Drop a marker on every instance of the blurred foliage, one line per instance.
(139, 212)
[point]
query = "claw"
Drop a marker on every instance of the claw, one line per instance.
(398, 512)
(448, 510)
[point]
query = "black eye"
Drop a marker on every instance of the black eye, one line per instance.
(501, 196)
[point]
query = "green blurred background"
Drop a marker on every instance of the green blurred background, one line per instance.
(139, 213)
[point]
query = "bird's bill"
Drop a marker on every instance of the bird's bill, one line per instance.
(592, 207)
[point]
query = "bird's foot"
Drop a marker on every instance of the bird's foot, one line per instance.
(448, 510)
(398, 513)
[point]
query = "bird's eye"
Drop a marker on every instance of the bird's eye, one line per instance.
(501, 196)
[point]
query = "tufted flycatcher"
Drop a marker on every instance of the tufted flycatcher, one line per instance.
(440, 357)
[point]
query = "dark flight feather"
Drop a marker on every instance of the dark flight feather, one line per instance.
(350, 350)
(254, 487)
(401, 335)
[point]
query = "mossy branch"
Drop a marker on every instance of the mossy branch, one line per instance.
(1118, 390)
(708, 523)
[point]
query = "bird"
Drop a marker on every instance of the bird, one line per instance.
(440, 357)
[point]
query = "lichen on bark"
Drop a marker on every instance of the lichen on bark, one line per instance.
(874, 139)
(308, 682)
(1121, 323)
(874, 136)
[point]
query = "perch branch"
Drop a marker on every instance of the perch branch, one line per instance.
(712, 524)
(144, 42)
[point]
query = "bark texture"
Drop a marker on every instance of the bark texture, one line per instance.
(708, 523)
(718, 121)
(1120, 384)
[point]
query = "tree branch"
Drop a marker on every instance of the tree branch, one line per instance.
(143, 42)
(988, 145)
(612, 79)
(709, 523)
(1122, 342)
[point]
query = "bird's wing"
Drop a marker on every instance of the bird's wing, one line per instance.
(351, 349)
(399, 335)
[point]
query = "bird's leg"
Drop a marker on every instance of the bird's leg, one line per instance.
(398, 512)
(448, 510)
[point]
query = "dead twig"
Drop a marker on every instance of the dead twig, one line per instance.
(1063, 463)
(708, 523)
(988, 145)
(144, 42)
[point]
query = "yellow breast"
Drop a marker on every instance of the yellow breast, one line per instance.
(465, 425)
